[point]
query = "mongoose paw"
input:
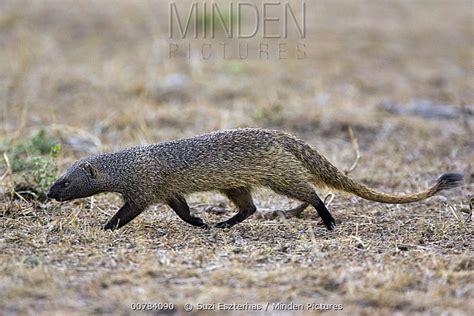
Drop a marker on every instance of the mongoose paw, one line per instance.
(196, 221)
(205, 226)
(223, 225)
(330, 224)
(110, 226)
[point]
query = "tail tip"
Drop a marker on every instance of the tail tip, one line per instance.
(450, 180)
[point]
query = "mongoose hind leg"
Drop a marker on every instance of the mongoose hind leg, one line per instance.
(124, 215)
(179, 205)
(305, 193)
(242, 198)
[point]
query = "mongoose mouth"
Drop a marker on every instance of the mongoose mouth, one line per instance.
(56, 196)
(61, 198)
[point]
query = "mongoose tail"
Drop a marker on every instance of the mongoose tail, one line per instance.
(445, 182)
(326, 173)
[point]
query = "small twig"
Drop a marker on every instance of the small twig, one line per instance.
(73, 216)
(465, 118)
(102, 211)
(4, 175)
(9, 173)
(455, 213)
(26, 192)
(312, 235)
(329, 198)
(360, 243)
(91, 206)
(355, 144)
(19, 196)
(268, 214)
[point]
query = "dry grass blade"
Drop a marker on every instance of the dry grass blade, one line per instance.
(355, 145)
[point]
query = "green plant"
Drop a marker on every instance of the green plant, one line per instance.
(33, 261)
(233, 67)
(43, 172)
(34, 161)
(39, 144)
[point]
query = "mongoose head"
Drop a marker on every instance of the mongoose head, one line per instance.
(82, 179)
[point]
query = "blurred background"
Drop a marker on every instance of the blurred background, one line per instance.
(103, 71)
(96, 76)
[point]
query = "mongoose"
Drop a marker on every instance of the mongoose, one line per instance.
(233, 162)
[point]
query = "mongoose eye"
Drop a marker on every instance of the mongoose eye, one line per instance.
(66, 184)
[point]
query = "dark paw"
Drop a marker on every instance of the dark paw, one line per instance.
(110, 226)
(331, 224)
(223, 225)
(205, 226)
(196, 221)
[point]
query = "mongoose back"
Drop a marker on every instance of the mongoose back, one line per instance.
(233, 162)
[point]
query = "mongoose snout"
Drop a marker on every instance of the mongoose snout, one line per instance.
(233, 162)
(80, 180)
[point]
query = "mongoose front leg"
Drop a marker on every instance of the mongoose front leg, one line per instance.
(124, 215)
(242, 198)
(181, 208)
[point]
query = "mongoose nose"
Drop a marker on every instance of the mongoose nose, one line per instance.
(49, 194)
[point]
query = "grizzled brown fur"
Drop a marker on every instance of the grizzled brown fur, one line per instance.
(231, 161)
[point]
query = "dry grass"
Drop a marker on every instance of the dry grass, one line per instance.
(97, 77)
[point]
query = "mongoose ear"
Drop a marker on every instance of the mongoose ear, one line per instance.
(91, 171)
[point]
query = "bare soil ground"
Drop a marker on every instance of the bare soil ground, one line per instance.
(97, 76)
